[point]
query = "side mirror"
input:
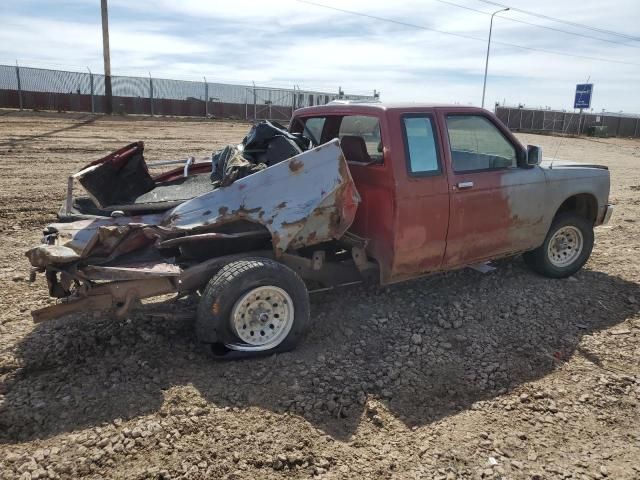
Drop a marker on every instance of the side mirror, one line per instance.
(534, 155)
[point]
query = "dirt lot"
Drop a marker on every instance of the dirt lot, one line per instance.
(463, 375)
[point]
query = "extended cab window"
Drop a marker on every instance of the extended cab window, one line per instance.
(359, 135)
(360, 138)
(477, 144)
(420, 139)
(314, 127)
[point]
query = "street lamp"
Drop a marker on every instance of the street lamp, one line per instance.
(486, 65)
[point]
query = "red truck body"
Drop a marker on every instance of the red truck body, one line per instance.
(350, 193)
(418, 224)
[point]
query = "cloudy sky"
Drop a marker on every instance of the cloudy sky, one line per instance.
(287, 42)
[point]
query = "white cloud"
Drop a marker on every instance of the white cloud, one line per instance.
(288, 42)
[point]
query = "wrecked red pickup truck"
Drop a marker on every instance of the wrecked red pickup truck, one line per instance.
(351, 192)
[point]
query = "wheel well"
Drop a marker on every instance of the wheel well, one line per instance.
(584, 204)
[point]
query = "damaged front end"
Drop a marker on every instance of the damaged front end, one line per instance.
(136, 236)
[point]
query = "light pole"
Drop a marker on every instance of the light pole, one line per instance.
(486, 64)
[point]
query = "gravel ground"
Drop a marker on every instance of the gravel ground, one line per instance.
(460, 375)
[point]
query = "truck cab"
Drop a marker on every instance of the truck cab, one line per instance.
(444, 186)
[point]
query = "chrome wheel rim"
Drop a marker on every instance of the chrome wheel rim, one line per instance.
(565, 246)
(263, 317)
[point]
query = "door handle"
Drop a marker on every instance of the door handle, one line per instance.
(463, 185)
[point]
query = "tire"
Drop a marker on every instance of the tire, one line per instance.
(253, 305)
(566, 248)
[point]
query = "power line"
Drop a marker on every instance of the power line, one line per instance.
(537, 25)
(566, 22)
(462, 35)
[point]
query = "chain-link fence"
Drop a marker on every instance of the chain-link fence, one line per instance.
(43, 89)
(554, 121)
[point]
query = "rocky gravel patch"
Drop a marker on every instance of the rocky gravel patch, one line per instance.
(460, 375)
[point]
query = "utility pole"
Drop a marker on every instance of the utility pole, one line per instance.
(486, 64)
(107, 59)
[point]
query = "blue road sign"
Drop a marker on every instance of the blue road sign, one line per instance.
(583, 95)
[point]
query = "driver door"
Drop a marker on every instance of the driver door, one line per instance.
(495, 201)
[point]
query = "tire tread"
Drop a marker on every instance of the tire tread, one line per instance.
(537, 259)
(222, 285)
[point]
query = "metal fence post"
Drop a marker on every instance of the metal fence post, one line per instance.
(19, 85)
(520, 127)
(254, 100)
(293, 99)
(580, 122)
(93, 106)
(635, 131)
(151, 93)
(533, 116)
(206, 97)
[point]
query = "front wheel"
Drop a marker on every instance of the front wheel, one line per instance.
(566, 248)
(254, 305)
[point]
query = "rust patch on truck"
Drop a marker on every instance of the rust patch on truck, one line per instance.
(291, 199)
(296, 166)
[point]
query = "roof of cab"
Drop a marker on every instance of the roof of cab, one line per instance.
(358, 106)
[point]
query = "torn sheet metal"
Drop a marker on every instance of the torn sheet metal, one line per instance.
(44, 255)
(303, 201)
(308, 199)
(99, 237)
(117, 178)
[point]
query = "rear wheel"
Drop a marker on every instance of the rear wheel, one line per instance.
(254, 305)
(566, 248)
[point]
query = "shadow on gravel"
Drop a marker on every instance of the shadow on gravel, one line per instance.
(426, 349)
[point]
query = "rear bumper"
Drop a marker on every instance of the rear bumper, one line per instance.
(608, 211)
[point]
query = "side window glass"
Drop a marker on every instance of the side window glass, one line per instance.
(315, 126)
(477, 144)
(421, 145)
(360, 138)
